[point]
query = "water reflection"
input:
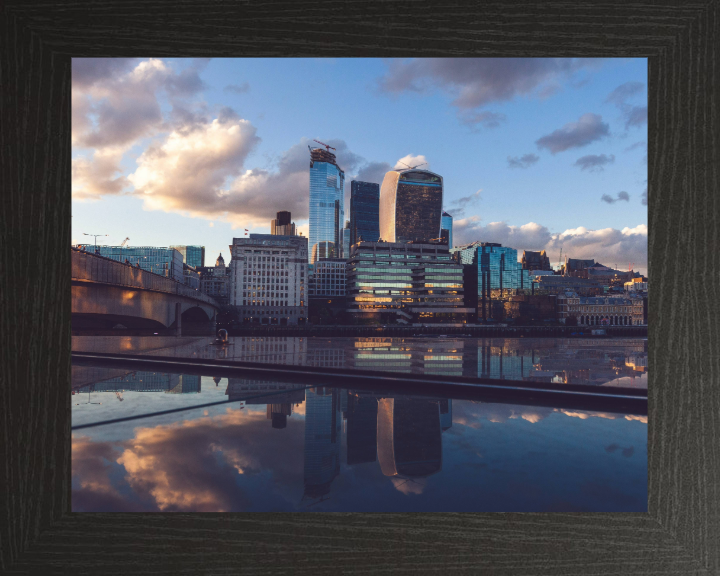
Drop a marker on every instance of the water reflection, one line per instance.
(276, 446)
(608, 361)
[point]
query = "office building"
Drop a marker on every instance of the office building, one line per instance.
(364, 212)
(327, 278)
(327, 212)
(492, 273)
(282, 225)
(192, 255)
(446, 223)
(269, 278)
(535, 260)
(166, 262)
(410, 206)
(408, 283)
(215, 281)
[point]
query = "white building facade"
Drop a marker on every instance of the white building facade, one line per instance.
(268, 279)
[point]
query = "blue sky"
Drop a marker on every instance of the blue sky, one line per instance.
(535, 153)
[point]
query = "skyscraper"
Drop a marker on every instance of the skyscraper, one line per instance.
(327, 212)
(446, 224)
(282, 225)
(364, 212)
(410, 206)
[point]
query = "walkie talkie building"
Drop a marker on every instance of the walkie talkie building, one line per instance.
(410, 206)
(327, 213)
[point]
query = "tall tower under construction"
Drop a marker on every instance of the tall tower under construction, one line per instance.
(327, 211)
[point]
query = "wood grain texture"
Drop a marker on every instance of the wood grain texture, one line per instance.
(679, 535)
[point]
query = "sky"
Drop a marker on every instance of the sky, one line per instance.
(535, 153)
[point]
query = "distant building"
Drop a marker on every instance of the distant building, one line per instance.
(364, 212)
(446, 223)
(192, 255)
(636, 285)
(269, 278)
(327, 213)
(531, 307)
(535, 260)
(166, 262)
(602, 311)
(410, 283)
(411, 206)
(215, 281)
(282, 225)
(346, 240)
(191, 277)
(492, 274)
(556, 284)
(574, 265)
(327, 278)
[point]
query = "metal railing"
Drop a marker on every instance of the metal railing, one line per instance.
(87, 267)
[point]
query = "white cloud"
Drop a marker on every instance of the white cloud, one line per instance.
(609, 246)
(410, 160)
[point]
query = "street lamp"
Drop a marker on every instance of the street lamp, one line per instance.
(96, 237)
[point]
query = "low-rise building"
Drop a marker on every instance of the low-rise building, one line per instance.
(191, 277)
(269, 279)
(407, 282)
(601, 311)
(636, 285)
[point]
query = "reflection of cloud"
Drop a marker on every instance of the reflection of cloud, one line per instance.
(586, 415)
(407, 486)
(194, 465)
(642, 419)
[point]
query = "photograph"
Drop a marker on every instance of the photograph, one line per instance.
(359, 284)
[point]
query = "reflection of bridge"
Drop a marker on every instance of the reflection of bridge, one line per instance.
(106, 293)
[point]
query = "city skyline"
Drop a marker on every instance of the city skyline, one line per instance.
(536, 154)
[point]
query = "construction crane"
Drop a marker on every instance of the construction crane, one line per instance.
(412, 167)
(630, 266)
(124, 242)
(326, 145)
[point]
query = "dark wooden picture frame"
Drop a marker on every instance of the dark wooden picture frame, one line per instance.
(681, 531)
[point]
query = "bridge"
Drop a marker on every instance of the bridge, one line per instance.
(107, 295)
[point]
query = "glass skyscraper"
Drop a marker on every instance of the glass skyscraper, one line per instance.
(327, 211)
(497, 267)
(446, 224)
(192, 255)
(410, 206)
(364, 212)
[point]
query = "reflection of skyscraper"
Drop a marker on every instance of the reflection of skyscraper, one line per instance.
(327, 213)
(278, 413)
(361, 429)
(408, 437)
(322, 440)
(445, 414)
(410, 206)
